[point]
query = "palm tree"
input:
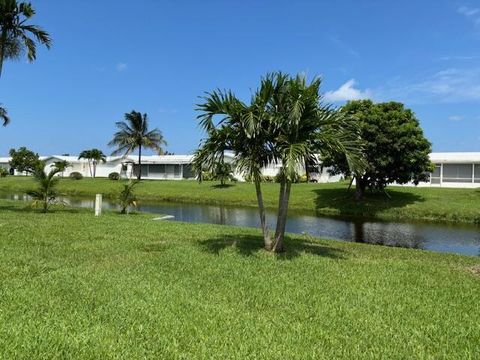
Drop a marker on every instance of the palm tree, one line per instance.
(304, 127)
(127, 197)
(4, 116)
(93, 156)
(284, 123)
(46, 192)
(16, 34)
(244, 130)
(134, 134)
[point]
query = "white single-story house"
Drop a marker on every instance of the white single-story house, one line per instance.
(452, 169)
(157, 167)
(455, 169)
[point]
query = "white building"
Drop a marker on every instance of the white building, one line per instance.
(455, 169)
(156, 167)
(452, 169)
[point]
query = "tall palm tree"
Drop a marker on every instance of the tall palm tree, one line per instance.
(4, 116)
(243, 129)
(304, 127)
(284, 123)
(133, 133)
(17, 36)
(93, 156)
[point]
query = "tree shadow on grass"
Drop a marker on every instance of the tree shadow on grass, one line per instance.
(342, 201)
(248, 245)
(224, 186)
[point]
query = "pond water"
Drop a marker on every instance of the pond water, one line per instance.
(460, 239)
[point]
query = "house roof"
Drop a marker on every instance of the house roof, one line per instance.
(162, 159)
(455, 157)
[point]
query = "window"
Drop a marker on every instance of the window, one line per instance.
(177, 171)
(158, 169)
(144, 170)
(477, 173)
(435, 176)
(188, 172)
(459, 173)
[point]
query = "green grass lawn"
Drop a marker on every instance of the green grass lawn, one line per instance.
(406, 203)
(127, 287)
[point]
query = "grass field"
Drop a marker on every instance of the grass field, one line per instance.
(127, 287)
(406, 203)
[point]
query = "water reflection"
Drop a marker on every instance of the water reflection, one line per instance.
(437, 237)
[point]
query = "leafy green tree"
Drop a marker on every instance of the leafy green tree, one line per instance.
(93, 156)
(284, 123)
(17, 36)
(127, 197)
(133, 133)
(24, 160)
(46, 193)
(395, 148)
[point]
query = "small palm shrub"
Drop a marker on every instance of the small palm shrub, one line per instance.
(76, 176)
(114, 176)
(3, 172)
(127, 198)
(46, 192)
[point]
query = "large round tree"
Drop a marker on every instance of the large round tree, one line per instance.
(395, 148)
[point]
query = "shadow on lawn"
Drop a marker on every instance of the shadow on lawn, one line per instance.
(343, 201)
(224, 186)
(30, 209)
(248, 245)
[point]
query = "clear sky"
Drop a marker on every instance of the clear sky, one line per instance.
(158, 57)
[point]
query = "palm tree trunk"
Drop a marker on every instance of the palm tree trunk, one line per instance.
(90, 167)
(263, 220)
(281, 195)
(3, 40)
(94, 168)
(282, 215)
(139, 176)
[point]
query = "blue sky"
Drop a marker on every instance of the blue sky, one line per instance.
(112, 56)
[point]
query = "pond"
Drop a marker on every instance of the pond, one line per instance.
(452, 238)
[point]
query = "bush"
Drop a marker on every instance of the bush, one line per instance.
(303, 179)
(3, 172)
(267, 178)
(114, 176)
(76, 176)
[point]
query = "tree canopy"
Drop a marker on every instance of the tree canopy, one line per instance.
(24, 160)
(395, 148)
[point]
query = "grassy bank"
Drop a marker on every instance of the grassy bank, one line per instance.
(76, 286)
(406, 203)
